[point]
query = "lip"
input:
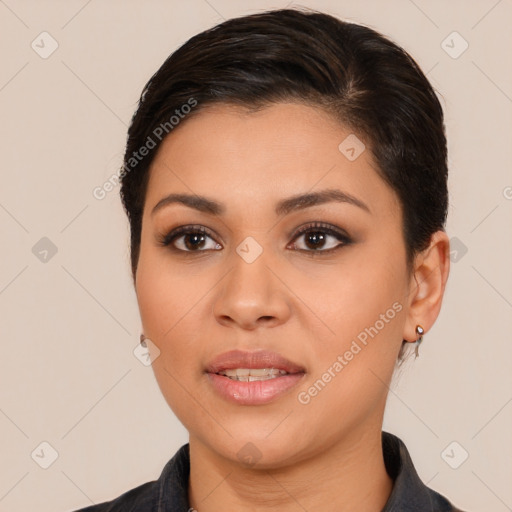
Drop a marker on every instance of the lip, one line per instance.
(260, 359)
(255, 392)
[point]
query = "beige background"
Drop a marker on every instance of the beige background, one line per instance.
(69, 325)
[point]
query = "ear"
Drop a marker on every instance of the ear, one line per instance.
(426, 288)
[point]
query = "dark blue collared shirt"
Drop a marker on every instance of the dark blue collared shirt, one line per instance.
(170, 492)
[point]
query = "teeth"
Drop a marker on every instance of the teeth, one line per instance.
(252, 374)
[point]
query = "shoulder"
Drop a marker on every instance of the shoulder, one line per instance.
(409, 493)
(169, 491)
(441, 503)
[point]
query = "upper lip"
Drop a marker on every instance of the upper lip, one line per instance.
(260, 359)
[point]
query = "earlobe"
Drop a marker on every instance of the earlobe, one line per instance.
(428, 283)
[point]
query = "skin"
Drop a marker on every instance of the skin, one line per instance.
(307, 307)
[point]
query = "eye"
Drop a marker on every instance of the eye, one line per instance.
(195, 239)
(316, 236)
(189, 239)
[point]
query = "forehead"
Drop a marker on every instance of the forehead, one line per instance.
(280, 150)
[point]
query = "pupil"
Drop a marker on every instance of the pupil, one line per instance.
(318, 238)
(197, 237)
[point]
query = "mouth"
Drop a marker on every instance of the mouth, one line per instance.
(252, 374)
(253, 378)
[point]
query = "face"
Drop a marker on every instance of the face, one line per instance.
(319, 282)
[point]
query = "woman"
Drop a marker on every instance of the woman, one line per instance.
(285, 180)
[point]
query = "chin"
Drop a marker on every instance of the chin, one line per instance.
(256, 450)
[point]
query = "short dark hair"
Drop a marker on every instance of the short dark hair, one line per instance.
(364, 80)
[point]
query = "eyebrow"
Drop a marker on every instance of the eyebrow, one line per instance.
(283, 207)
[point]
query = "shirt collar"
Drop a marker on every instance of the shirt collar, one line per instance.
(409, 493)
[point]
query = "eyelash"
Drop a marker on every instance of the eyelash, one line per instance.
(315, 227)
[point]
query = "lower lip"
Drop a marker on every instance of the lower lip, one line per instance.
(257, 392)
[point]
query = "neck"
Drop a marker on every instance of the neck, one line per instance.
(347, 476)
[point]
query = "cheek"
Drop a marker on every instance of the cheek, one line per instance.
(168, 309)
(161, 295)
(170, 305)
(363, 307)
(352, 297)
(354, 365)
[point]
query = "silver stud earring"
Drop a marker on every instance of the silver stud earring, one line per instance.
(419, 331)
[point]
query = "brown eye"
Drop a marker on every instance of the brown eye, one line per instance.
(190, 239)
(320, 238)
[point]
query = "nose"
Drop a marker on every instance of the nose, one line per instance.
(252, 295)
